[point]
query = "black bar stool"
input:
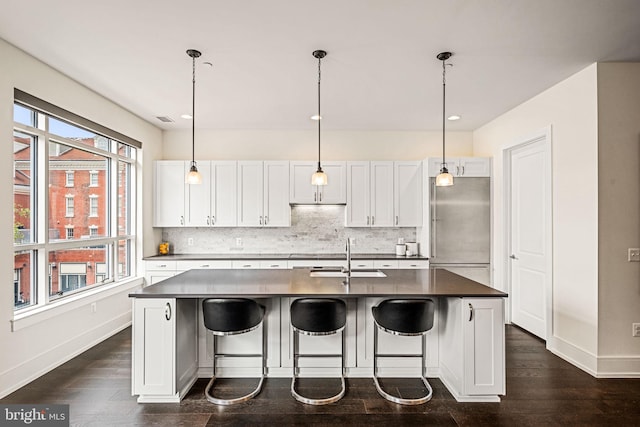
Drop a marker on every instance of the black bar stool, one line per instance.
(406, 317)
(317, 316)
(233, 316)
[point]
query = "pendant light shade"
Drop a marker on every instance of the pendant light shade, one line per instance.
(319, 177)
(193, 177)
(444, 179)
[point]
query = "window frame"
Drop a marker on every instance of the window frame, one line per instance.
(42, 243)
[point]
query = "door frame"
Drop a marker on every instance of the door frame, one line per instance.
(541, 136)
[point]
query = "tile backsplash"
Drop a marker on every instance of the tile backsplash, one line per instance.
(314, 229)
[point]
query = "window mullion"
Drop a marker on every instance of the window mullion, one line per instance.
(42, 211)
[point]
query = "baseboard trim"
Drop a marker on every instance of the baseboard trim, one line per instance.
(31, 369)
(578, 357)
(618, 367)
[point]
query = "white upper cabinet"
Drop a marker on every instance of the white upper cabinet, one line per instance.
(303, 192)
(213, 203)
(468, 167)
(263, 198)
(169, 193)
(407, 194)
(384, 194)
(277, 212)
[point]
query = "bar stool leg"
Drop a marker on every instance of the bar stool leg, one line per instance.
(296, 371)
(391, 397)
(218, 401)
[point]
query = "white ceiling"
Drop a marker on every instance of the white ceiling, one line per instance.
(381, 71)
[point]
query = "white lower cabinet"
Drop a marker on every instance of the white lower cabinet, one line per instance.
(472, 362)
(164, 359)
(157, 271)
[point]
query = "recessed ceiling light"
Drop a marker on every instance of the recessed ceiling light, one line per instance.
(454, 117)
(316, 117)
(187, 116)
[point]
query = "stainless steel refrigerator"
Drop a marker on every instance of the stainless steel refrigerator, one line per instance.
(460, 227)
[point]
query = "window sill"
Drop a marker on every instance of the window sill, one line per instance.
(41, 314)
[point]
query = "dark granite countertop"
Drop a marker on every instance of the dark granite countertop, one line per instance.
(297, 282)
(300, 256)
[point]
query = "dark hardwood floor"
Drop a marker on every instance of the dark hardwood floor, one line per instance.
(542, 390)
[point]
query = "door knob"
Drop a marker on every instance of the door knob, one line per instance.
(512, 256)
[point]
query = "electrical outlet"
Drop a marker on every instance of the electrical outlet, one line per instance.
(634, 255)
(352, 240)
(635, 329)
(94, 307)
(238, 241)
(190, 241)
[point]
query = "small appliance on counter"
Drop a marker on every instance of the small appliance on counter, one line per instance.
(401, 249)
(412, 249)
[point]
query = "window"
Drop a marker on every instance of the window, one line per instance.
(93, 205)
(69, 178)
(63, 161)
(68, 203)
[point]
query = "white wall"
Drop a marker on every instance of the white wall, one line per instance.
(44, 341)
(303, 145)
(570, 108)
(619, 216)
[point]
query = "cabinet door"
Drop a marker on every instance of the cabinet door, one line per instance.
(199, 199)
(250, 194)
(300, 190)
(408, 194)
(154, 346)
(169, 193)
(483, 337)
(472, 167)
(382, 205)
(277, 211)
(357, 213)
(335, 192)
(225, 194)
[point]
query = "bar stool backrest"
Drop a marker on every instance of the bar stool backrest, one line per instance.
(318, 315)
(405, 316)
(229, 316)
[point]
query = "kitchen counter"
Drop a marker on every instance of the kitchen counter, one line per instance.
(294, 256)
(297, 282)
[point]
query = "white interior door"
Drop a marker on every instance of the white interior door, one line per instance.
(529, 201)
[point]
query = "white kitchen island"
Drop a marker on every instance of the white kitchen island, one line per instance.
(171, 346)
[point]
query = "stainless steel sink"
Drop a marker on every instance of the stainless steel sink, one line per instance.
(340, 273)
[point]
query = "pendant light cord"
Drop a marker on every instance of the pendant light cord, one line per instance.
(444, 84)
(193, 115)
(319, 116)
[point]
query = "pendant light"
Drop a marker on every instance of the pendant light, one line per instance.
(193, 177)
(444, 179)
(319, 178)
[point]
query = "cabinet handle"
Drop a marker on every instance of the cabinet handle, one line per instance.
(458, 170)
(167, 312)
(315, 197)
(204, 265)
(462, 170)
(260, 219)
(208, 220)
(373, 220)
(181, 220)
(213, 220)
(367, 219)
(396, 219)
(274, 265)
(246, 266)
(266, 220)
(470, 312)
(320, 195)
(162, 265)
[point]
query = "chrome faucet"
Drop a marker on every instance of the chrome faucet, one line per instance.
(347, 270)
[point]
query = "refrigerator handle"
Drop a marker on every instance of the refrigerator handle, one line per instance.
(433, 220)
